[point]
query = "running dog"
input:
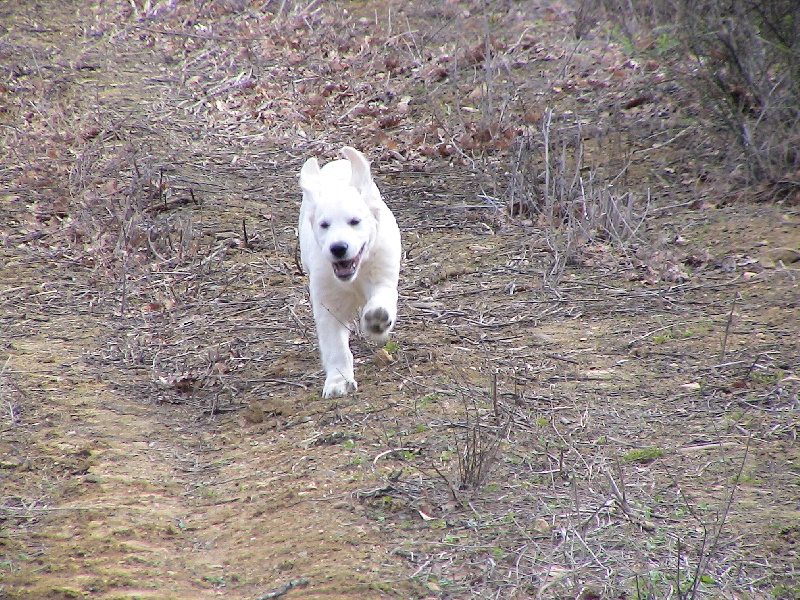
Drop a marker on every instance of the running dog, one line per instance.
(350, 248)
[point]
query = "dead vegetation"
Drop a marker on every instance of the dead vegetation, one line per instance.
(743, 65)
(593, 389)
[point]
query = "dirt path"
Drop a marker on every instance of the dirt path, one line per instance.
(118, 496)
(161, 430)
(108, 494)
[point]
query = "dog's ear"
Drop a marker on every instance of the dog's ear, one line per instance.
(309, 176)
(361, 178)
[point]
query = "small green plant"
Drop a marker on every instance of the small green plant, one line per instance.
(663, 337)
(426, 400)
(509, 517)
(665, 43)
(767, 376)
(643, 455)
(786, 592)
(744, 477)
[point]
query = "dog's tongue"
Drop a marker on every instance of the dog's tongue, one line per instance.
(345, 268)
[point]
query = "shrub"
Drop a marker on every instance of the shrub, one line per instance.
(746, 67)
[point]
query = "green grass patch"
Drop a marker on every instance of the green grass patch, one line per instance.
(643, 455)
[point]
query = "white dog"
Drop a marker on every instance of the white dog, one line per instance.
(350, 248)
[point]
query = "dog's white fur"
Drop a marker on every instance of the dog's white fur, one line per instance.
(350, 248)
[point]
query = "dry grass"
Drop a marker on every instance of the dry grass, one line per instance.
(556, 423)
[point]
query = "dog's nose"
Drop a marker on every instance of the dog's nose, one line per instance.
(339, 249)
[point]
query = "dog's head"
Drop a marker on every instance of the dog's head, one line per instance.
(340, 204)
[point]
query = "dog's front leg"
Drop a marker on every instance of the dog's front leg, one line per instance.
(379, 314)
(337, 360)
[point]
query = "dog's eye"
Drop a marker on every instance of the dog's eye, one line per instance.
(324, 224)
(354, 222)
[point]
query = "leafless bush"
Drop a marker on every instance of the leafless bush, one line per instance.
(477, 438)
(746, 68)
(586, 13)
(749, 56)
(552, 182)
(129, 217)
(478, 450)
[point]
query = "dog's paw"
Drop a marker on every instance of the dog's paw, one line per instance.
(338, 386)
(376, 324)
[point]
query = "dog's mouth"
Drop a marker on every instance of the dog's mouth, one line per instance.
(346, 269)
